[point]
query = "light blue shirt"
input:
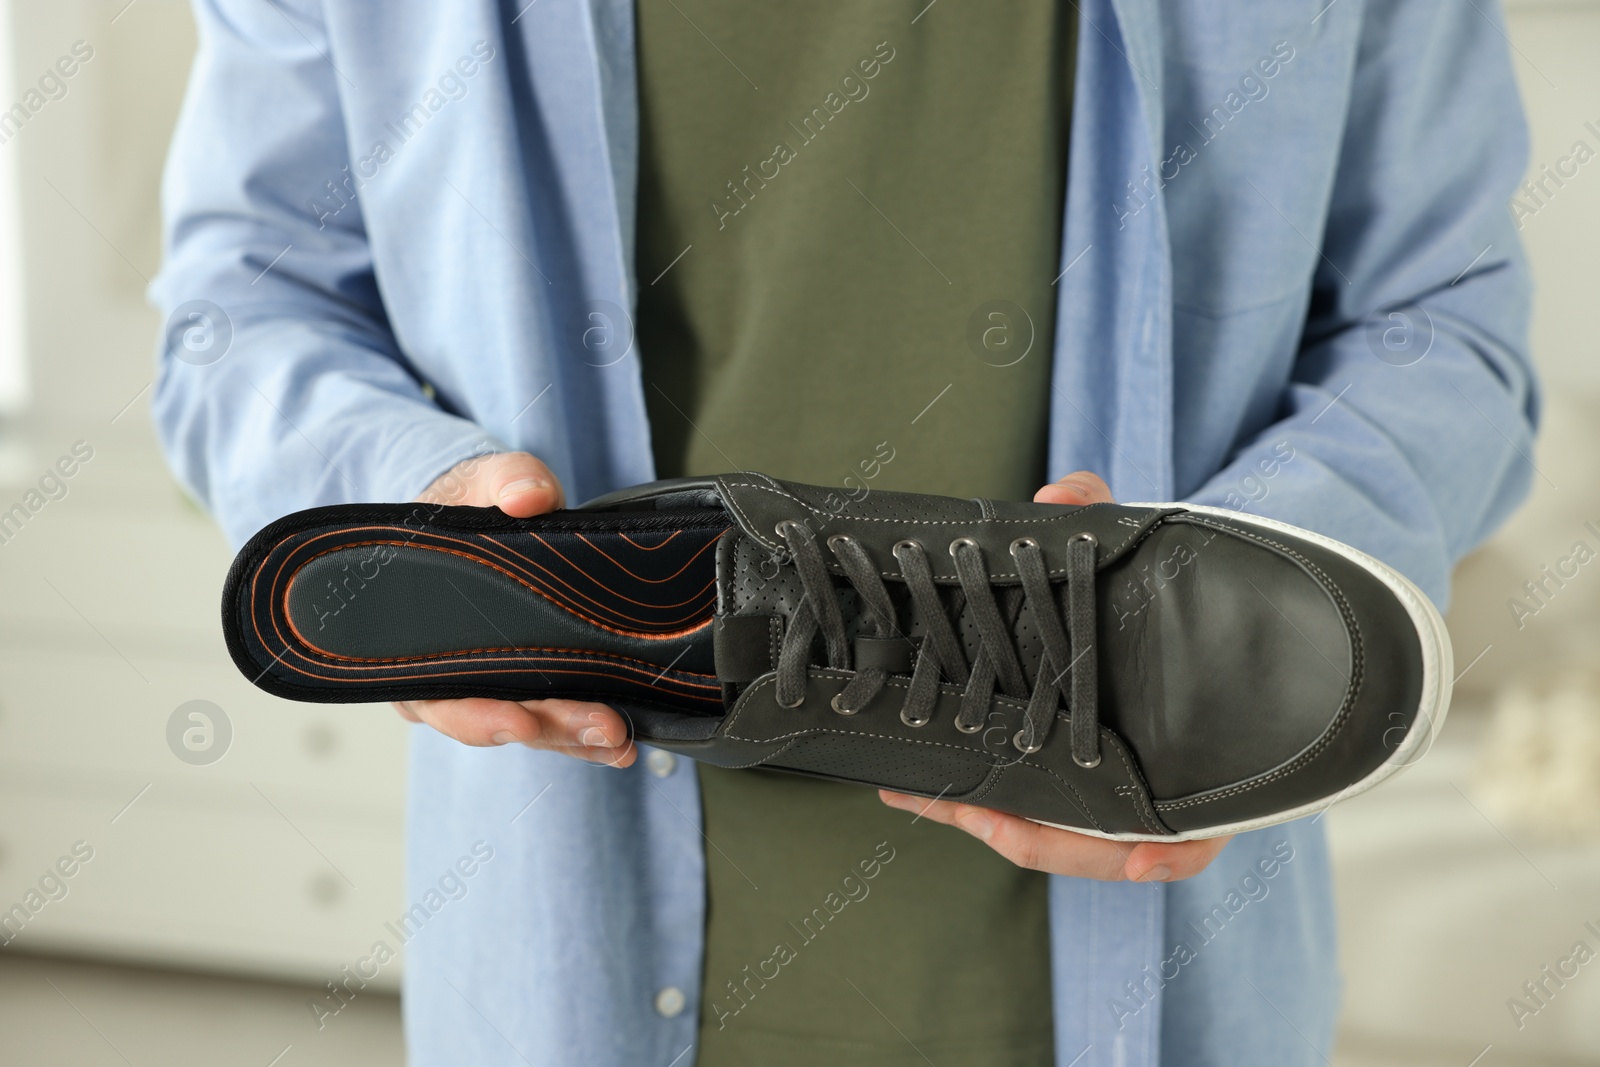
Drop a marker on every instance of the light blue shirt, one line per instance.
(1286, 235)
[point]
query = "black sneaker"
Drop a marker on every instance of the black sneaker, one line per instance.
(1129, 671)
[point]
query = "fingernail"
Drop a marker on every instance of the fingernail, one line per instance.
(1158, 873)
(594, 737)
(527, 485)
(979, 825)
(503, 738)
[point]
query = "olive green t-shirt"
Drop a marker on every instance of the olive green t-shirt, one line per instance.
(849, 228)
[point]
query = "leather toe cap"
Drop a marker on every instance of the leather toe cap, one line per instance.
(1256, 672)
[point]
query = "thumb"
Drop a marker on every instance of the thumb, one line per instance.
(1077, 488)
(517, 483)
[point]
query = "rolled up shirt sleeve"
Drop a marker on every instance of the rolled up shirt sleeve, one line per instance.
(1407, 426)
(293, 392)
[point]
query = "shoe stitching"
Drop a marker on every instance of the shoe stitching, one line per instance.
(1140, 793)
(727, 731)
(831, 672)
(990, 780)
(1083, 803)
(983, 790)
(769, 756)
(919, 522)
(745, 520)
(750, 526)
(814, 730)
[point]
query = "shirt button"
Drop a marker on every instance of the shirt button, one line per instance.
(669, 1002)
(661, 763)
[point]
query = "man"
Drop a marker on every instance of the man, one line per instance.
(513, 255)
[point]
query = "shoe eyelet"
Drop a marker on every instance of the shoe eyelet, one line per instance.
(961, 541)
(1087, 766)
(834, 703)
(796, 704)
(968, 729)
(1022, 542)
(914, 722)
(1087, 537)
(907, 544)
(1017, 741)
(838, 539)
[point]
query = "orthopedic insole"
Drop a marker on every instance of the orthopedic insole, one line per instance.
(391, 601)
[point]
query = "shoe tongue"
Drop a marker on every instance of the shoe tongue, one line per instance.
(1019, 624)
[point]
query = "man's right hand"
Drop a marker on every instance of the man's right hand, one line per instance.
(521, 486)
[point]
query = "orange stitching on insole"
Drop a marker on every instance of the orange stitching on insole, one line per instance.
(528, 565)
(424, 656)
(579, 570)
(648, 548)
(521, 670)
(616, 563)
(646, 636)
(288, 551)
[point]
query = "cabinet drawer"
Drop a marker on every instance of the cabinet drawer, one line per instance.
(90, 711)
(192, 875)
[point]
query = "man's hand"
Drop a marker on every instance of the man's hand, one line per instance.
(1044, 848)
(521, 486)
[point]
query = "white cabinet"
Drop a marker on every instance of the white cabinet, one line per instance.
(282, 856)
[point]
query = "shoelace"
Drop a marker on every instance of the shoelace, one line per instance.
(1061, 673)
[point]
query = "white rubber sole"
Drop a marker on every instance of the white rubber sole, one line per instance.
(1438, 672)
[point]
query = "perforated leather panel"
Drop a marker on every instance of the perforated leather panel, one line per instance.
(887, 763)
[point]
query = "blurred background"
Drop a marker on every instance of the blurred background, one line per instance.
(229, 853)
